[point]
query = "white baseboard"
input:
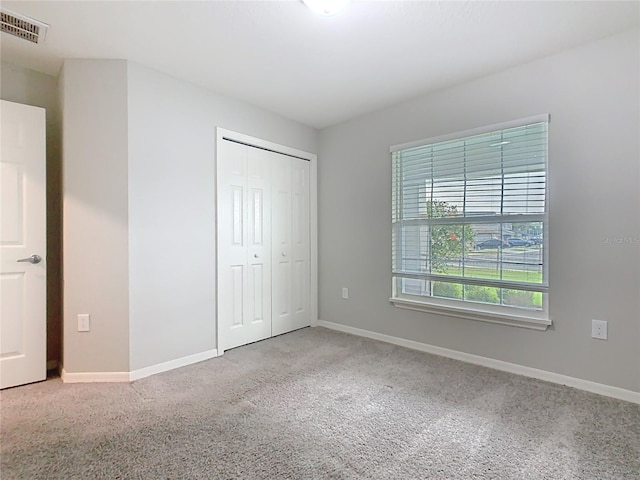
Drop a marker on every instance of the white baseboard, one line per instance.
(93, 377)
(599, 388)
(171, 364)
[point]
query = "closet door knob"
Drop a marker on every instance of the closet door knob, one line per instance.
(284, 254)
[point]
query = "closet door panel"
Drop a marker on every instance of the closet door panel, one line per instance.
(300, 242)
(240, 281)
(281, 237)
(259, 241)
(232, 274)
(291, 244)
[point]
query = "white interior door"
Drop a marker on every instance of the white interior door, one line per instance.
(291, 248)
(22, 245)
(244, 245)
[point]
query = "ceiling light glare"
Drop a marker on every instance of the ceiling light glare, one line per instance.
(326, 8)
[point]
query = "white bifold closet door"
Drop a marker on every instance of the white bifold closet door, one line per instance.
(290, 252)
(263, 244)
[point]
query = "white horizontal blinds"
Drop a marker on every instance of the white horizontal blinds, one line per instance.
(496, 173)
(451, 194)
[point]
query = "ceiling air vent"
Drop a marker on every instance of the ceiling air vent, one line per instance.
(22, 27)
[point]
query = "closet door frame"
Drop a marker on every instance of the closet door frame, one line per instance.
(223, 135)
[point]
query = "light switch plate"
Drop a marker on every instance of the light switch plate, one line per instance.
(84, 322)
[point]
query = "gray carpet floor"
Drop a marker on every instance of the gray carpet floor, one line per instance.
(316, 404)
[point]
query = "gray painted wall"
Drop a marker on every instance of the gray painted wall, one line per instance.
(133, 212)
(593, 96)
(29, 87)
(172, 128)
(139, 211)
(94, 99)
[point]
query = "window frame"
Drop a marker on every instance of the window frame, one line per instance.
(501, 314)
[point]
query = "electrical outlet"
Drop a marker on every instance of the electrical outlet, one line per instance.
(345, 293)
(599, 329)
(84, 322)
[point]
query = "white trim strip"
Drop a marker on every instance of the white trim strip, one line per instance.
(264, 144)
(435, 277)
(93, 377)
(172, 364)
(443, 308)
(544, 117)
(586, 385)
(474, 219)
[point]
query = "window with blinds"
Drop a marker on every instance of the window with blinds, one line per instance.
(469, 216)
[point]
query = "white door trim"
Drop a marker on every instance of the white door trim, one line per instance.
(221, 134)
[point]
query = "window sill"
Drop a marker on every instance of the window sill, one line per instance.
(533, 323)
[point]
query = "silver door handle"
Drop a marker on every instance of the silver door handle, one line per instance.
(32, 259)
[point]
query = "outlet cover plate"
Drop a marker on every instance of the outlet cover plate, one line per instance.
(599, 329)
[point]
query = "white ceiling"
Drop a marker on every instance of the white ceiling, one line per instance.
(316, 70)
